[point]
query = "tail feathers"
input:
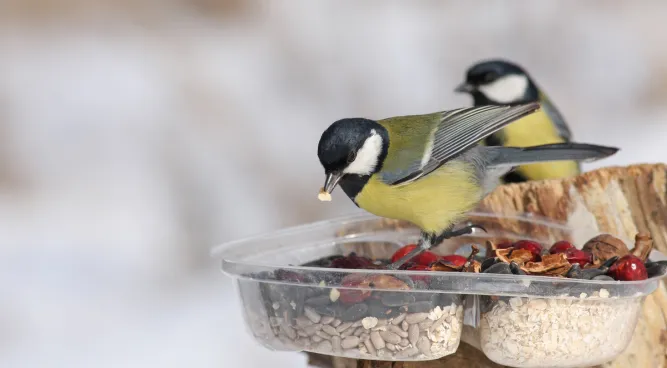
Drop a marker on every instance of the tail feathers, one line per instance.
(514, 156)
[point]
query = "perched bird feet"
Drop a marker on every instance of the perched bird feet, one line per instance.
(466, 230)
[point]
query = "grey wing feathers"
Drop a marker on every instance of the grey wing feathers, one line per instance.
(462, 129)
(556, 118)
(514, 156)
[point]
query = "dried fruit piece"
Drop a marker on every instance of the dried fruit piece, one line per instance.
(349, 296)
(291, 276)
(445, 267)
(402, 252)
(504, 245)
(551, 265)
(387, 282)
(560, 247)
(353, 261)
(454, 259)
(367, 282)
(474, 267)
(520, 256)
(578, 256)
(533, 247)
(605, 246)
(471, 265)
(628, 268)
(643, 246)
(418, 267)
(426, 258)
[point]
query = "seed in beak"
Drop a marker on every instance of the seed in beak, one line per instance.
(324, 196)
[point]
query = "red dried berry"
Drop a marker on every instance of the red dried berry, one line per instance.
(455, 259)
(351, 262)
(348, 296)
(560, 247)
(628, 268)
(575, 255)
(418, 267)
(402, 252)
(291, 276)
(425, 258)
(533, 247)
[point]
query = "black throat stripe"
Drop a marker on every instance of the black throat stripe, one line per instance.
(353, 184)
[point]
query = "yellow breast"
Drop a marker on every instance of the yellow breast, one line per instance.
(433, 202)
(533, 130)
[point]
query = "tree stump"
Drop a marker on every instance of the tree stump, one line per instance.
(619, 200)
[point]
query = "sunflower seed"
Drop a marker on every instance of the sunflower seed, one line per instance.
(349, 342)
(415, 317)
(312, 315)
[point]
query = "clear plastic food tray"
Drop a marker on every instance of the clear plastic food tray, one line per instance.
(521, 321)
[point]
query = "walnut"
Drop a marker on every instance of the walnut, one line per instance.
(551, 265)
(605, 246)
(643, 246)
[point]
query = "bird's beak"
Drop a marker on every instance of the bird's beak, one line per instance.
(465, 88)
(331, 181)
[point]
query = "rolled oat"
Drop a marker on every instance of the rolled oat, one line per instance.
(536, 332)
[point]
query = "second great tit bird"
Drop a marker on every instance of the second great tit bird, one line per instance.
(498, 82)
(430, 169)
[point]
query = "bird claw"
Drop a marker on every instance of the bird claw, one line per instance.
(463, 231)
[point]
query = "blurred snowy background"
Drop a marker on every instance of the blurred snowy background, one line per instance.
(136, 134)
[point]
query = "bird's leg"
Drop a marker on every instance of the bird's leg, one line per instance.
(429, 240)
(424, 243)
(447, 234)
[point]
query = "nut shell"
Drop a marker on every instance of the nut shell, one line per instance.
(605, 246)
(643, 246)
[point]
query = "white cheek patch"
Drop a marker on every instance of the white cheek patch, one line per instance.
(367, 157)
(507, 89)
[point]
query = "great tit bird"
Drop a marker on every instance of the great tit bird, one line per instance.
(498, 82)
(430, 169)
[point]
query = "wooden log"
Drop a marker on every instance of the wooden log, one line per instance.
(619, 200)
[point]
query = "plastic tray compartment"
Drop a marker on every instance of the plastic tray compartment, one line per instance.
(521, 321)
(387, 315)
(550, 332)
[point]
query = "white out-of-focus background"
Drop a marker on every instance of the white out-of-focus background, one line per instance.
(136, 134)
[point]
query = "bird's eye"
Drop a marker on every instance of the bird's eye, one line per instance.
(351, 156)
(490, 77)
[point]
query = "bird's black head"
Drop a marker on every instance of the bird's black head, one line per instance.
(352, 147)
(498, 82)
